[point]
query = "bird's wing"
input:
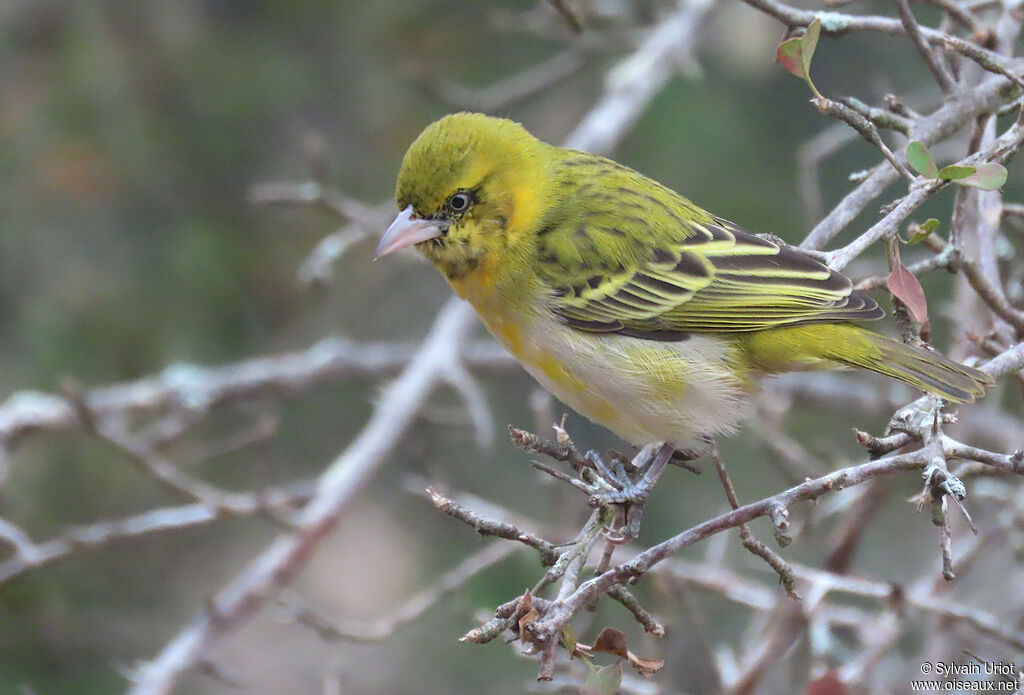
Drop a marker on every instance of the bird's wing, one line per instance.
(712, 277)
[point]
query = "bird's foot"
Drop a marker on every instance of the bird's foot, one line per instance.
(685, 458)
(627, 489)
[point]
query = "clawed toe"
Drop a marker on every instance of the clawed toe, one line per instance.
(628, 490)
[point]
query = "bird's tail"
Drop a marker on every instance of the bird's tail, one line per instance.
(924, 369)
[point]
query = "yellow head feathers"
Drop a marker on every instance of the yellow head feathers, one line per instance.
(460, 151)
(469, 185)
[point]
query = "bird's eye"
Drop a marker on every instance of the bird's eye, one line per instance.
(459, 202)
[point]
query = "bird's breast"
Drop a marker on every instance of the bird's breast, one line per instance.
(642, 390)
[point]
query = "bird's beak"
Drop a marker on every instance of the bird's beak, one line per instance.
(407, 230)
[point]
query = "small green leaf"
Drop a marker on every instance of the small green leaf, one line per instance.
(921, 159)
(810, 42)
(988, 176)
(603, 681)
(569, 640)
(920, 232)
(795, 54)
(905, 287)
(954, 172)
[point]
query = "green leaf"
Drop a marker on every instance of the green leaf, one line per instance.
(954, 172)
(795, 54)
(920, 232)
(921, 159)
(603, 681)
(569, 640)
(905, 287)
(988, 176)
(810, 42)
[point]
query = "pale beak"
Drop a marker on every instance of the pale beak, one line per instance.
(407, 230)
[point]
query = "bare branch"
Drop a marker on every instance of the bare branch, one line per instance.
(630, 85)
(198, 388)
(101, 533)
(913, 30)
(408, 611)
(336, 488)
(563, 610)
(774, 560)
(490, 527)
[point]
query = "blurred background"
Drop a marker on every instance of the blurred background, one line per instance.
(131, 133)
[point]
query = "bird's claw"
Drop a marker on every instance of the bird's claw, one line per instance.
(621, 490)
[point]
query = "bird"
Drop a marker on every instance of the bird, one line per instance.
(629, 303)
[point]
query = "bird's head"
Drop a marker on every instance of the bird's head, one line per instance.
(471, 187)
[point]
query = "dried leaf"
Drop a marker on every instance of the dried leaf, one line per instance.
(531, 617)
(905, 287)
(988, 176)
(920, 232)
(561, 436)
(954, 172)
(603, 681)
(611, 641)
(921, 159)
(645, 667)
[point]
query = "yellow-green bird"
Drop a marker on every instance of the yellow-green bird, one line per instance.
(629, 303)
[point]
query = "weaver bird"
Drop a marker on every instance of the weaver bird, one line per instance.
(626, 301)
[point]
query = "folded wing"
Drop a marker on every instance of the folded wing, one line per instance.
(714, 278)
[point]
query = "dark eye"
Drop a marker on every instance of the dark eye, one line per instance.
(459, 202)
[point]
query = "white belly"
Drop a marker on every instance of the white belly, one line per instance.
(644, 391)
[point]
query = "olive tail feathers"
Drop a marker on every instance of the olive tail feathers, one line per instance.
(924, 369)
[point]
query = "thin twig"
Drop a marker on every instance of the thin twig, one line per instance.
(913, 29)
(774, 560)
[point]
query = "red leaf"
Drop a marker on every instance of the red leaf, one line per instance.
(790, 55)
(905, 287)
(827, 684)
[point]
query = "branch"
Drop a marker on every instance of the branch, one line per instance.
(774, 560)
(563, 610)
(920, 190)
(490, 527)
(409, 610)
(945, 121)
(632, 84)
(913, 30)
(282, 560)
(336, 489)
(1011, 360)
(838, 24)
(30, 555)
(197, 388)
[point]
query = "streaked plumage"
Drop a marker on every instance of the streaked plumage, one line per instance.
(627, 301)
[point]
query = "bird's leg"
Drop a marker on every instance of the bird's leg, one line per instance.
(613, 481)
(632, 494)
(620, 484)
(684, 458)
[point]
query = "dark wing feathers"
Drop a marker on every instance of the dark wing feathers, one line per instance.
(623, 254)
(714, 277)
